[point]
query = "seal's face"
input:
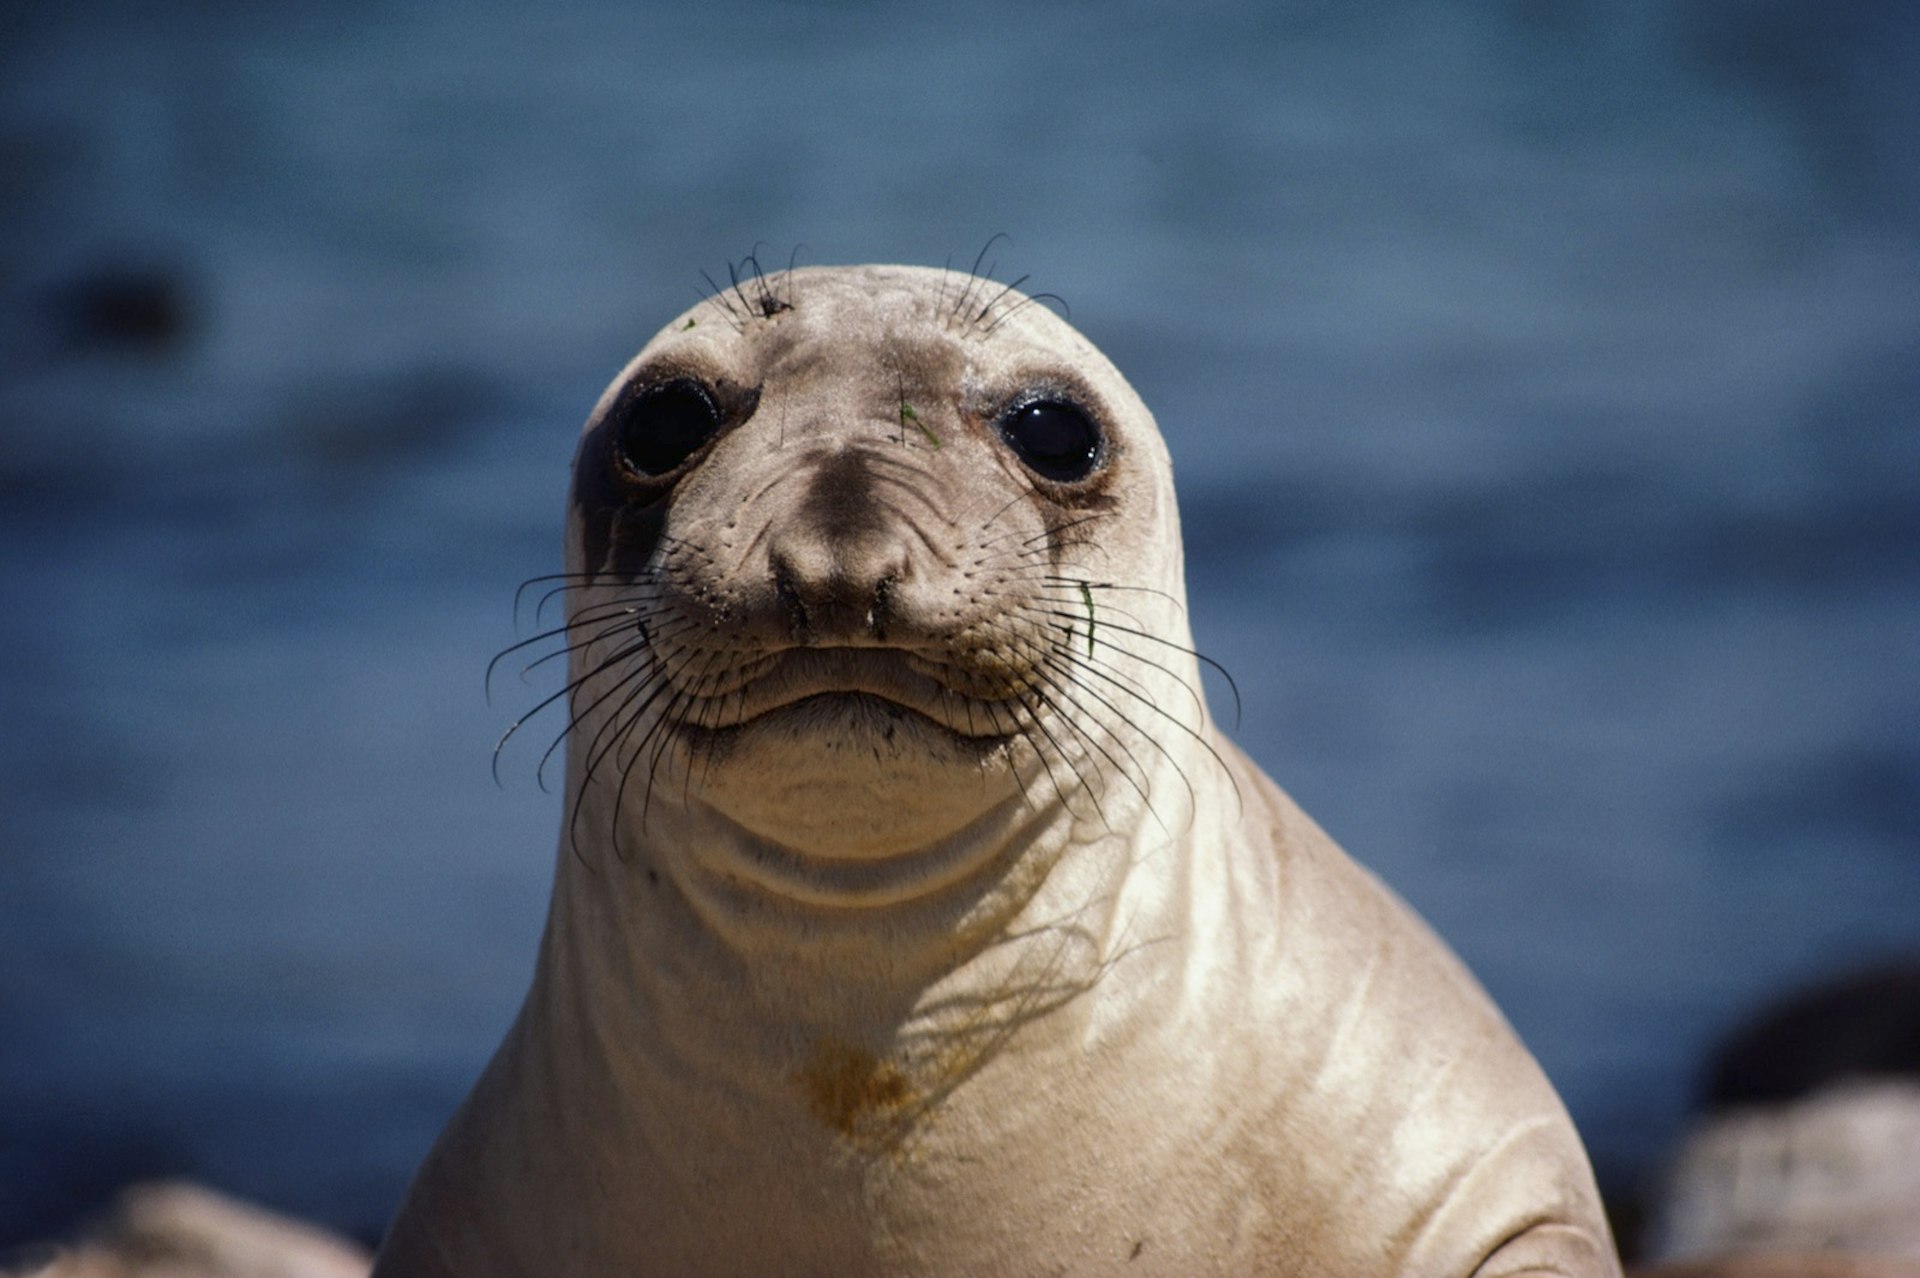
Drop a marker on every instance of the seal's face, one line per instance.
(848, 543)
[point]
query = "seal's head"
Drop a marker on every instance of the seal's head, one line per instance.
(864, 554)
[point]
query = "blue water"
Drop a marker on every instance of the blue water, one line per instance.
(1542, 383)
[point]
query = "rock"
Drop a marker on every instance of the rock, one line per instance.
(172, 1229)
(1836, 1172)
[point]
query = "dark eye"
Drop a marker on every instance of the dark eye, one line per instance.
(664, 425)
(1054, 438)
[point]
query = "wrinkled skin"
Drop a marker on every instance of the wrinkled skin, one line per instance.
(911, 914)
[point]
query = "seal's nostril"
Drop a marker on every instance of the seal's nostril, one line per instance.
(879, 613)
(798, 622)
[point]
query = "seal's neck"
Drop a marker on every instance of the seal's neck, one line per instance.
(695, 1039)
(705, 952)
(685, 1050)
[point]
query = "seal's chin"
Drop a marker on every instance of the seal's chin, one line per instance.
(852, 753)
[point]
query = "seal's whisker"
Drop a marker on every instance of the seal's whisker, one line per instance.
(1101, 659)
(1096, 618)
(1078, 661)
(1038, 722)
(1068, 639)
(645, 683)
(613, 734)
(718, 296)
(940, 285)
(652, 667)
(994, 301)
(673, 667)
(633, 592)
(570, 578)
(569, 581)
(1029, 561)
(637, 624)
(1060, 665)
(553, 633)
(672, 715)
(704, 708)
(734, 275)
(606, 628)
(611, 623)
(625, 760)
(1028, 537)
(1066, 311)
(1068, 648)
(1026, 795)
(592, 613)
(1181, 648)
(639, 675)
(1048, 535)
(1179, 604)
(607, 738)
(1037, 699)
(1064, 692)
(566, 691)
(766, 301)
(976, 278)
(1099, 637)
(1073, 662)
(963, 516)
(1026, 731)
(995, 518)
(1053, 532)
(647, 679)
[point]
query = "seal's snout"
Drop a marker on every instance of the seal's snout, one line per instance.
(837, 559)
(834, 598)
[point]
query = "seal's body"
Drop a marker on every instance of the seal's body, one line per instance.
(912, 917)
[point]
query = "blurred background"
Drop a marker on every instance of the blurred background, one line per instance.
(1541, 379)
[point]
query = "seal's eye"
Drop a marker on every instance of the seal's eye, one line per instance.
(1054, 438)
(664, 425)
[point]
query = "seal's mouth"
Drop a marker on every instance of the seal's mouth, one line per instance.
(867, 683)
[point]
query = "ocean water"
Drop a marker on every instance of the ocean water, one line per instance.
(1542, 384)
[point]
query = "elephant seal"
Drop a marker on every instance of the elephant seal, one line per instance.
(911, 914)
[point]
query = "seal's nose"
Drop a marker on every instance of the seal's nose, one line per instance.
(837, 556)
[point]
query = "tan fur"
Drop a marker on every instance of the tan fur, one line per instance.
(1039, 975)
